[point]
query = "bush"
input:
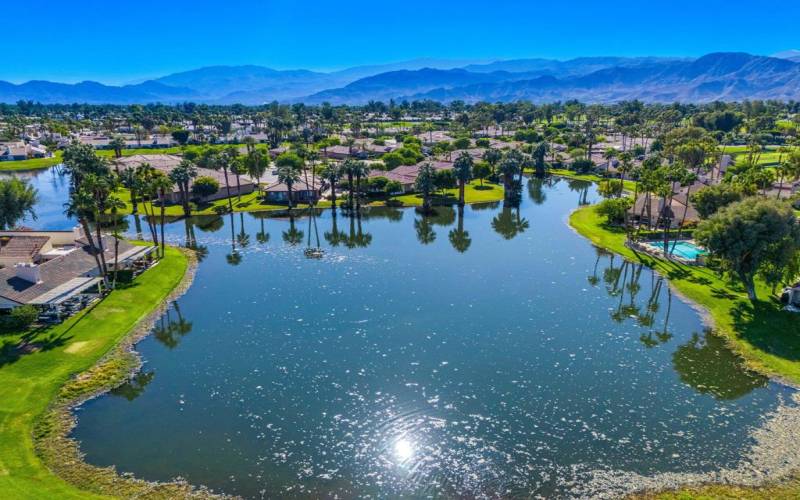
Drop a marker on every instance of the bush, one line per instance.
(482, 142)
(19, 319)
(462, 143)
(614, 209)
(582, 166)
(205, 186)
(529, 136)
(393, 187)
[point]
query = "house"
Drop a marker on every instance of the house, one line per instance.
(673, 209)
(17, 151)
(166, 163)
(57, 272)
(302, 192)
(339, 152)
(407, 175)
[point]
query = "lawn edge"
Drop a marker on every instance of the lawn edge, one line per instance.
(60, 453)
(771, 488)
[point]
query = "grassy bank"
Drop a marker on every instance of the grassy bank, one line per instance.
(788, 490)
(254, 202)
(38, 384)
(569, 174)
(767, 337)
(473, 193)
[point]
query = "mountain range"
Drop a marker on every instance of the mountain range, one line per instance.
(718, 76)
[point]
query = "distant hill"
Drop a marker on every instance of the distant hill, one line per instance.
(723, 76)
(792, 55)
(720, 76)
(92, 93)
(390, 85)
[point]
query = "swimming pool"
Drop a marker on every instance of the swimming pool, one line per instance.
(686, 249)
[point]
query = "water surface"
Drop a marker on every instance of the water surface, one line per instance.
(489, 352)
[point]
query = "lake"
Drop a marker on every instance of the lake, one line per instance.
(485, 352)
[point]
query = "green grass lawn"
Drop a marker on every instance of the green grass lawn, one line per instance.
(29, 381)
(473, 193)
(626, 184)
(767, 337)
(251, 202)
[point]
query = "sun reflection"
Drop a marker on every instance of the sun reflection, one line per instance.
(403, 449)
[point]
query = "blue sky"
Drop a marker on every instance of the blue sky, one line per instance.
(120, 41)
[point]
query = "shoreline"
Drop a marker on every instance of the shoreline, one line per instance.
(61, 453)
(773, 450)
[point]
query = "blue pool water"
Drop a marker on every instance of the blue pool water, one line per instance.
(688, 250)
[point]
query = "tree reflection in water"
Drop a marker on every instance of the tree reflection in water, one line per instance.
(424, 229)
(624, 282)
(262, 236)
(708, 366)
(459, 238)
(508, 223)
(292, 236)
(582, 188)
(171, 328)
(135, 386)
(357, 238)
(334, 237)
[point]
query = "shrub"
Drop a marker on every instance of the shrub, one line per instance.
(614, 209)
(582, 166)
(393, 187)
(205, 186)
(19, 319)
(462, 143)
(482, 142)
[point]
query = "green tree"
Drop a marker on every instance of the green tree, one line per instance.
(289, 174)
(462, 168)
(17, 200)
(746, 234)
(331, 173)
(425, 184)
(205, 186)
(181, 176)
(709, 200)
(117, 144)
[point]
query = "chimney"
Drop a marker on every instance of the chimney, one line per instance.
(28, 272)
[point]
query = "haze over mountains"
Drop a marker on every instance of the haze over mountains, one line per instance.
(719, 76)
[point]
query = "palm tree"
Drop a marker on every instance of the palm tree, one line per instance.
(117, 144)
(493, 157)
(17, 199)
(360, 169)
(463, 172)
(256, 165)
(182, 175)
(509, 168)
(609, 154)
(425, 184)
(222, 161)
(349, 169)
(114, 205)
(288, 174)
(131, 179)
(81, 206)
(332, 173)
(162, 185)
